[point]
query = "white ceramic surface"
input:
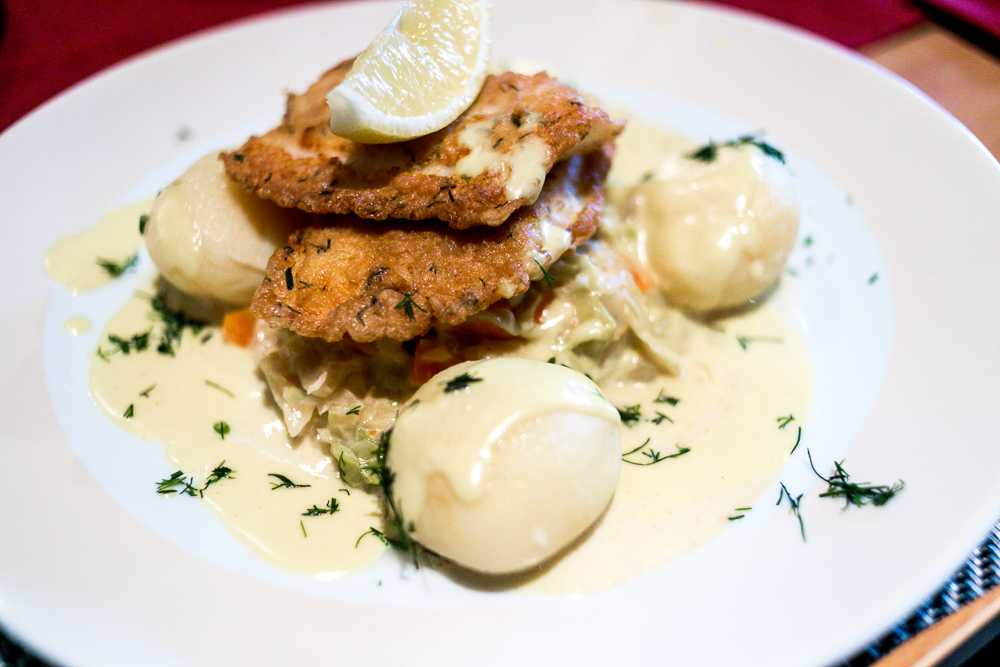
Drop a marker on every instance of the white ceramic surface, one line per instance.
(95, 571)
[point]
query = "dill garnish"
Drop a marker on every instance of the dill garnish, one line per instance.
(407, 304)
(180, 484)
(215, 385)
(859, 495)
(331, 507)
(630, 415)
(652, 455)
(745, 341)
(545, 274)
(222, 428)
(669, 400)
(660, 417)
(284, 483)
(460, 382)
(177, 483)
(710, 151)
(118, 269)
(794, 507)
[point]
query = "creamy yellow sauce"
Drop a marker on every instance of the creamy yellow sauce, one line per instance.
(519, 164)
(180, 401)
(714, 436)
(75, 262)
(731, 406)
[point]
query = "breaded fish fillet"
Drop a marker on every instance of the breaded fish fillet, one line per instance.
(477, 171)
(397, 278)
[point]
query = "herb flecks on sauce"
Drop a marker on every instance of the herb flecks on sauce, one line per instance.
(118, 269)
(710, 151)
(460, 382)
(651, 455)
(630, 415)
(284, 483)
(180, 484)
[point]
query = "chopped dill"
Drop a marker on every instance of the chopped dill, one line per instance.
(222, 428)
(784, 421)
(177, 483)
(174, 323)
(331, 507)
(710, 151)
(460, 382)
(660, 417)
(143, 221)
(137, 343)
(225, 391)
(630, 415)
(284, 483)
(118, 269)
(652, 455)
(407, 304)
(669, 400)
(745, 341)
(545, 274)
(859, 495)
(219, 473)
(798, 440)
(356, 410)
(794, 507)
(129, 411)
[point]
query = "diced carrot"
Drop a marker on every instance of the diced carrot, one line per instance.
(542, 304)
(238, 327)
(430, 358)
(642, 279)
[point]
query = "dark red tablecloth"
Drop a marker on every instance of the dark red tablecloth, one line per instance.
(48, 45)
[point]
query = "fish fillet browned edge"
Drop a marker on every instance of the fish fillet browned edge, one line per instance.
(301, 164)
(397, 278)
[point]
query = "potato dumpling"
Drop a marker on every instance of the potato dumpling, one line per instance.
(499, 464)
(717, 232)
(210, 238)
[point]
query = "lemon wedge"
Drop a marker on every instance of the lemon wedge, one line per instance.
(417, 75)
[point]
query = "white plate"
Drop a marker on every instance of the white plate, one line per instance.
(906, 382)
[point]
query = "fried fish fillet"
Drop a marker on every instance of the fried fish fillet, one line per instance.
(397, 278)
(486, 164)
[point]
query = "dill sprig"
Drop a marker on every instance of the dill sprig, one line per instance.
(630, 415)
(710, 151)
(407, 304)
(653, 456)
(284, 483)
(460, 382)
(183, 485)
(859, 495)
(396, 534)
(173, 324)
(793, 503)
(118, 269)
(331, 507)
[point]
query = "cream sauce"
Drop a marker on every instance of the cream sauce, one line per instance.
(75, 262)
(522, 166)
(729, 414)
(179, 400)
(732, 400)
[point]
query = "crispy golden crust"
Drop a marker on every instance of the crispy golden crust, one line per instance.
(396, 279)
(519, 126)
